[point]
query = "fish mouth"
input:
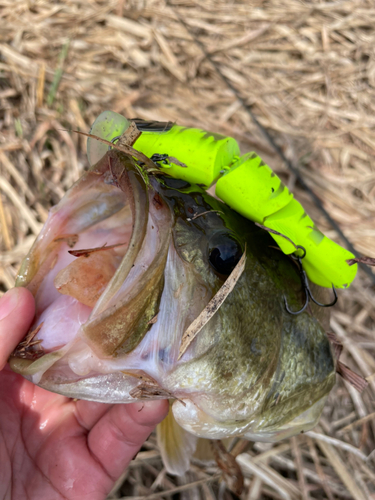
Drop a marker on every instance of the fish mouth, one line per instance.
(96, 270)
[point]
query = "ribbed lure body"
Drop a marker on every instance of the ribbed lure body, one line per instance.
(192, 154)
(245, 183)
(252, 189)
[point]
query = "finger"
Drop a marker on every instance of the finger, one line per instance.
(117, 437)
(89, 413)
(17, 310)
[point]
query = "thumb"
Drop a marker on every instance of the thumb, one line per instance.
(17, 310)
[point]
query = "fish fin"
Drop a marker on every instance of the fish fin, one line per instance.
(176, 445)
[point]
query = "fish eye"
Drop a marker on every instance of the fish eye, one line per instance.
(224, 253)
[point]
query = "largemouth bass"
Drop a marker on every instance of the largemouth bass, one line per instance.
(124, 264)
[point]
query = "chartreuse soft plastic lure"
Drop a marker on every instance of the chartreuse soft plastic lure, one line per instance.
(245, 183)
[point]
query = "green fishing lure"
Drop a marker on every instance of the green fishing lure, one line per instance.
(245, 183)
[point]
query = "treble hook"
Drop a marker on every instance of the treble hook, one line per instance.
(306, 287)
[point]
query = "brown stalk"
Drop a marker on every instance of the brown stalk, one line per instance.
(125, 149)
(227, 463)
(212, 307)
(86, 251)
(26, 348)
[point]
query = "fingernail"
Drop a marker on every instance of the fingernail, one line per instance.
(8, 302)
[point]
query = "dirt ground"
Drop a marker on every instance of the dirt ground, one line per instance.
(307, 70)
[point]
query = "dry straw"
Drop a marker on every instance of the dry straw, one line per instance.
(308, 71)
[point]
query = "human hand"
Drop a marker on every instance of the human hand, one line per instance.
(52, 447)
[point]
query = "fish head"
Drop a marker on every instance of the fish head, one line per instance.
(124, 265)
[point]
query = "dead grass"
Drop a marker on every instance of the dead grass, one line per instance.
(308, 69)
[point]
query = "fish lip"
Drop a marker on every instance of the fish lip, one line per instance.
(140, 288)
(131, 182)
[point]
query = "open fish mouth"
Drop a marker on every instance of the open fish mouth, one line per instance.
(98, 273)
(100, 258)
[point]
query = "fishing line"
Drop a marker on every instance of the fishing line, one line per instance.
(271, 140)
